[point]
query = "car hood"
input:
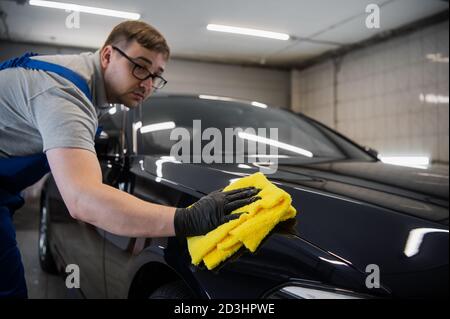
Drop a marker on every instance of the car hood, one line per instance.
(412, 191)
(432, 182)
(351, 212)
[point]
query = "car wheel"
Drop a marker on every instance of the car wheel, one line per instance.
(45, 256)
(172, 290)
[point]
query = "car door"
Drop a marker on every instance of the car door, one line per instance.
(76, 242)
(87, 243)
(113, 154)
(120, 250)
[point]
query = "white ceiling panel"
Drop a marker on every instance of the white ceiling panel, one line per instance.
(317, 26)
(393, 15)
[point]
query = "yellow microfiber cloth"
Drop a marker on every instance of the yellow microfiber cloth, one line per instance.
(249, 229)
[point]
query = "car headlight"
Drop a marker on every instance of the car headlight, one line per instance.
(314, 292)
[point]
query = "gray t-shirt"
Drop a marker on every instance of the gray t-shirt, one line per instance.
(41, 110)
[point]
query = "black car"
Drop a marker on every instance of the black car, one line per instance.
(364, 229)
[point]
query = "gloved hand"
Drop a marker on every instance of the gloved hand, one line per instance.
(211, 211)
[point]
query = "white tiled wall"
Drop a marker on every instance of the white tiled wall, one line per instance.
(312, 92)
(250, 83)
(379, 92)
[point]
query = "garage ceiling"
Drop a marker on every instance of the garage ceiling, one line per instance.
(316, 26)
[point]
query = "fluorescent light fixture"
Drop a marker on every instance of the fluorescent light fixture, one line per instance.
(437, 57)
(434, 98)
(267, 156)
(157, 127)
(311, 293)
(229, 99)
(112, 110)
(258, 104)
(408, 161)
(415, 239)
(159, 163)
(215, 98)
(137, 125)
(335, 262)
(268, 141)
(85, 9)
(246, 31)
(103, 134)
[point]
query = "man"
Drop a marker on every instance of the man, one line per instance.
(49, 106)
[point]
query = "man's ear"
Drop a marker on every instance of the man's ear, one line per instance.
(105, 56)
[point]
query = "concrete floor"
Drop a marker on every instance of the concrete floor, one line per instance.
(40, 284)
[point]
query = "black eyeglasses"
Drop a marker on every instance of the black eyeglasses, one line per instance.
(141, 73)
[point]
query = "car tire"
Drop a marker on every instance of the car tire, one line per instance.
(46, 259)
(172, 290)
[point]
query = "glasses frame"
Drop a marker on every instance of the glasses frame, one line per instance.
(137, 65)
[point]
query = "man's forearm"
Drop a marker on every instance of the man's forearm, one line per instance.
(123, 214)
(79, 179)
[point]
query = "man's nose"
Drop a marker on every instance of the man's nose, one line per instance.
(147, 84)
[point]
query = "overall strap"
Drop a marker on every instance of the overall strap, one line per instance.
(18, 172)
(25, 62)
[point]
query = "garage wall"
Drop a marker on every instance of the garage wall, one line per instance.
(187, 77)
(256, 84)
(389, 96)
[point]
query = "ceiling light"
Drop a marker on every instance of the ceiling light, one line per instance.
(433, 98)
(85, 9)
(437, 57)
(215, 98)
(258, 104)
(157, 127)
(245, 31)
(112, 111)
(415, 239)
(271, 142)
(408, 161)
(228, 99)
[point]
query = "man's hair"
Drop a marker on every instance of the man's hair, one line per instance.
(143, 33)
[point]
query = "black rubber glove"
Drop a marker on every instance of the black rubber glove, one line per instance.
(211, 211)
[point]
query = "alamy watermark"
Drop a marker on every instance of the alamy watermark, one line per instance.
(73, 19)
(373, 279)
(373, 17)
(239, 145)
(73, 277)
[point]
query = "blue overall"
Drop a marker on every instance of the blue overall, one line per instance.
(17, 173)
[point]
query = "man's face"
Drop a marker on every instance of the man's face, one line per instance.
(120, 83)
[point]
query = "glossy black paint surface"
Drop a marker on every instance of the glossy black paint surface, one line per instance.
(352, 213)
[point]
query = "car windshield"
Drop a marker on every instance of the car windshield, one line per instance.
(299, 137)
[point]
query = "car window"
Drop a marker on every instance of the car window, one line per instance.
(294, 132)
